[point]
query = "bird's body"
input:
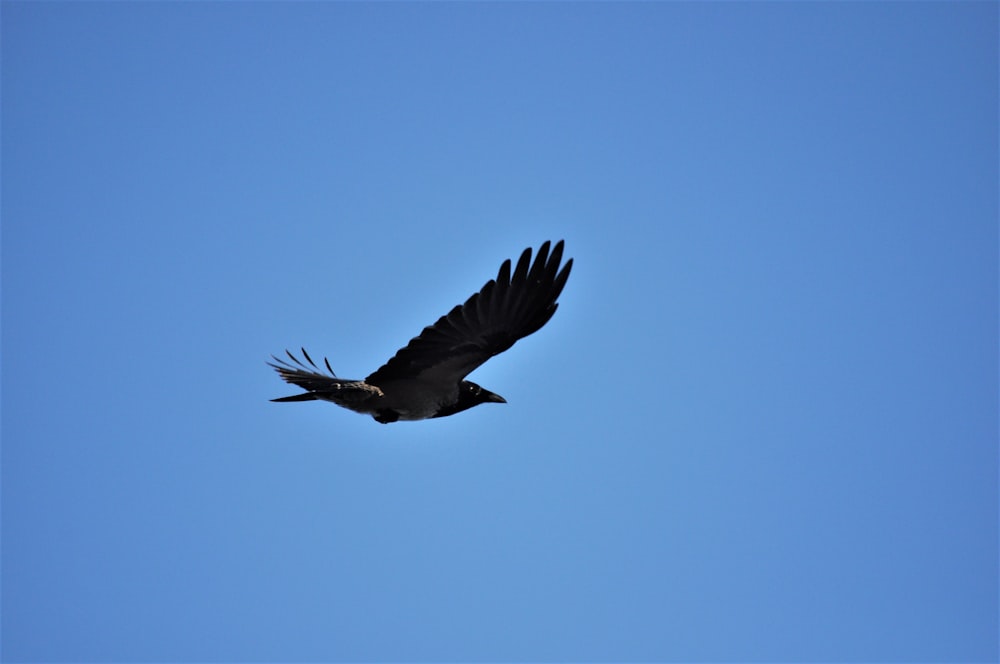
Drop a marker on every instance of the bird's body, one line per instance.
(426, 378)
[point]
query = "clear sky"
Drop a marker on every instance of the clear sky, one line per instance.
(762, 425)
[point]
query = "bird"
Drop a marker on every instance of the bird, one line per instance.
(426, 378)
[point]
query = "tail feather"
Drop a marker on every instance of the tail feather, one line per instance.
(308, 396)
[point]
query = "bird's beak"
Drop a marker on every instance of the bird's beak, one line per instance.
(493, 398)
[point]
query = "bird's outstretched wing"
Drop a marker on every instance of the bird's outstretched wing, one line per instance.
(508, 308)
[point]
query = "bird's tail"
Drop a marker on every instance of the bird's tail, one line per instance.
(308, 396)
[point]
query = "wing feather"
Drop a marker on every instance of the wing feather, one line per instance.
(308, 377)
(512, 306)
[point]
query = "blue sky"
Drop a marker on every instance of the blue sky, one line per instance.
(762, 425)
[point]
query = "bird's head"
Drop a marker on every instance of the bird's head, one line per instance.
(477, 394)
(469, 395)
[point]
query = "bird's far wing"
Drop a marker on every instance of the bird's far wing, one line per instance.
(508, 308)
(353, 394)
(307, 377)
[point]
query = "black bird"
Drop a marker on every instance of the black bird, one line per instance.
(427, 378)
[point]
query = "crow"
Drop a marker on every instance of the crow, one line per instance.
(426, 378)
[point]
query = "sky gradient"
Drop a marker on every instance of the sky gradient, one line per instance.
(762, 425)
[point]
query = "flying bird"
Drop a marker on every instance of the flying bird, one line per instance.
(426, 378)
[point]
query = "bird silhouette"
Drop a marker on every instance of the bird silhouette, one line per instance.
(426, 378)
